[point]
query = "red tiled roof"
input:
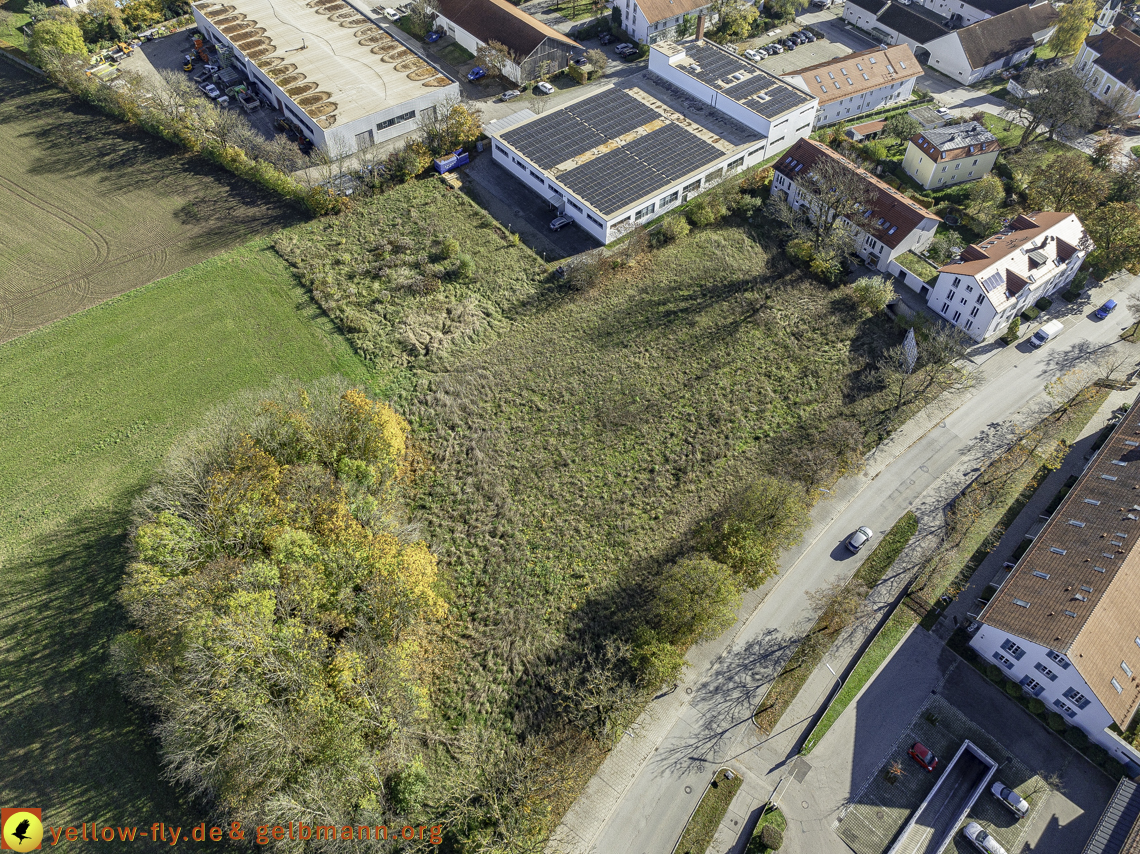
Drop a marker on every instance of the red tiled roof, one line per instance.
(1119, 55)
(497, 20)
(1076, 590)
(890, 205)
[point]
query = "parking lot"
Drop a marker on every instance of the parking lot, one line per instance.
(812, 53)
(844, 777)
(166, 54)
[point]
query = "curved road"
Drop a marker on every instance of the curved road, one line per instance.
(641, 798)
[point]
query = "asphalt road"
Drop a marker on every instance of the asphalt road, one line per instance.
(714, 725)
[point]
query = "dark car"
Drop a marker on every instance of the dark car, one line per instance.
(789, 45)
(433, 36)
(1106, 309)
(809, 36)
(476, 73)
(605, 38)
(924, 756)
(580, 61)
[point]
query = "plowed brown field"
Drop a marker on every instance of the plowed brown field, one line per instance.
(91, 208)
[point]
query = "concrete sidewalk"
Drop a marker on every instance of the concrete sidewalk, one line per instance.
(774, 759)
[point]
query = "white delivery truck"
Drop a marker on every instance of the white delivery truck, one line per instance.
(1046, 333)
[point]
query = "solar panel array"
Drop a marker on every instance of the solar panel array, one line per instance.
(578, 128)
(715, 64)
(781, 96)
(620, 177)
(991, 282)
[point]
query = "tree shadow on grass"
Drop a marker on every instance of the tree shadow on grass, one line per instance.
(74, 746)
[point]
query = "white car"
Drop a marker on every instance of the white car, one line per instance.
(859, 539)
(1010, 799)
(210, 91)
(545, 88)
(391, 14)
(982, 840)
(945, 113)
(510, 94)
(753, 55)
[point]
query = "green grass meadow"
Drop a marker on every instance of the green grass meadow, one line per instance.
(90, 405)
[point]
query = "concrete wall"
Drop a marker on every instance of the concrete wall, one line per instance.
(1093, 719)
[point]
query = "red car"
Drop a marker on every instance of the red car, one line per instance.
(924, 756)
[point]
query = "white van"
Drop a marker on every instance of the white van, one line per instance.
(1046, 333)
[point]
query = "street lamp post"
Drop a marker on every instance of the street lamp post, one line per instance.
(838, 680)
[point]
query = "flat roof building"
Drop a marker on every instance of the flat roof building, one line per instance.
(339, 75)
(621, 156)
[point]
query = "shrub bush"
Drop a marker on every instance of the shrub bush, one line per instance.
(994, 673)
(1096, 753)
(1056, 722)
(1076, 737)
(675, 227)
(1012, 688)
(1035, 706)
(706, 211)
(449, 248)
(771, 837)
(1043, 303)
(1031, 313)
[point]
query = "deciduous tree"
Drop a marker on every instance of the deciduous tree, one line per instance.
(1072, 26)
(984, 198)
(1057, 102)
(1068, 182)
(873, 293)
(696, 600)
(65, 39)
(902, 127)
(1115, 229)
(495, 57)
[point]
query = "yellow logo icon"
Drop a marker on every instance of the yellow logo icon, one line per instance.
(21, 829)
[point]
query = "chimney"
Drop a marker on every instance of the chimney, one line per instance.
(700, 28)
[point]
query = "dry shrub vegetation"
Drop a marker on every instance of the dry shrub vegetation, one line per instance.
(640, 441)
(411, 271)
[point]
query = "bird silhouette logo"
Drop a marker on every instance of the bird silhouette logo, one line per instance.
(21, 829)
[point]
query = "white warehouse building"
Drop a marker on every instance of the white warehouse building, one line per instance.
(622, 156)
(336, 73)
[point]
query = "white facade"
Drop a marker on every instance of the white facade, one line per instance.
(374, 103)
(949, 57)
(1102, 85)
(1053, 679)
(868, 247)
(640, 19)
(960, 294)
(854, 106)
(756, 138)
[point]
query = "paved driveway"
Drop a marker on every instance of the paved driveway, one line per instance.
(855, 748)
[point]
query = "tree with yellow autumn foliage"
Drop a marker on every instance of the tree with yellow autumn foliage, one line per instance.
(283, 609)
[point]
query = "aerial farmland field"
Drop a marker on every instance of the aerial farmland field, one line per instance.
(91, 208)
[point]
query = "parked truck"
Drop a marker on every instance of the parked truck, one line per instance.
(1046, 333)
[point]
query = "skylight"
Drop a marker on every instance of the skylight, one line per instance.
(1057, 551)
(902, 65)
(1023, 604)
(872, 60)
(817, 79)
(859, 65)
(865, 77)
(894, 228)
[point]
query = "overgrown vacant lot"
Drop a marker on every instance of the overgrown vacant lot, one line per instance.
(412, 272)
(89, 407)
(90, 208)
(577, 452)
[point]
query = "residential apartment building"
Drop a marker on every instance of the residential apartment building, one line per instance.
(892, 225)
(536, 48)
(950, 155)
(1111, 65)
(859, 82)
(1065, 623)
(622, 155)
(994, 281)
(652, 21)
(965, 50)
